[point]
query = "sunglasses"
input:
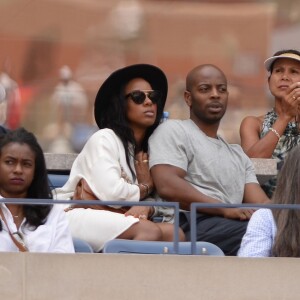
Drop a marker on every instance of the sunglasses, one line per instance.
(139, 97)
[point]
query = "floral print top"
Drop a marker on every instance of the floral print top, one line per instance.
(289, 139)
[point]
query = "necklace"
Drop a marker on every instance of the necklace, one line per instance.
(19, 213)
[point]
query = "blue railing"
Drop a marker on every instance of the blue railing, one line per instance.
(194, 206)
(174, 205)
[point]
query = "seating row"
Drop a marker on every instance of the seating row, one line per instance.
(59, 166)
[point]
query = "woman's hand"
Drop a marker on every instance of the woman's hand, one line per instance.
(291, 102)
(143, 174)
(142, 167)
(141, 212)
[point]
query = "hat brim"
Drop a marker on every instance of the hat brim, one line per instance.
(269, 62)
(112, 85)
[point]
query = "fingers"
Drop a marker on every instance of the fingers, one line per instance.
(140, 212)
(246, 214)
(294, 94)
(141, 157)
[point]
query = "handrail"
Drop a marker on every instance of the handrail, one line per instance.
(193, 211)
(175, 205)
(194, 206)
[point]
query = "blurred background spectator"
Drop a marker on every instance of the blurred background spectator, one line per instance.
(69, 130)
(10, 99)
(95, 37)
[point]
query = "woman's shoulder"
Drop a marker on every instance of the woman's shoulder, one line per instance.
(105, 136)
(253, 120)
(251, 124)
(105, 132)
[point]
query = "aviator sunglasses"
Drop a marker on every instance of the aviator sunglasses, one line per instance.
(139, 97)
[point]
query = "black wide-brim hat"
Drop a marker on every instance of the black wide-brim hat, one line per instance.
(112, 85)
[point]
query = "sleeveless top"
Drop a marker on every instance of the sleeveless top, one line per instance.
(289, 139)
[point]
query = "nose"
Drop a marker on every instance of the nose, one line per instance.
(147, 100)
(215, 93)
(18, 169)
(285, 76)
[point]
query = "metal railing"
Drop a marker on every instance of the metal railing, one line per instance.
(174, 205)
(194, 206)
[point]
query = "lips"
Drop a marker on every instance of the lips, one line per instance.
(283, 86)
(215, 107)
(17, 181)
(149, 113)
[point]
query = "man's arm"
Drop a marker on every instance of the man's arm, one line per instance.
(171, 185)
(255, 194)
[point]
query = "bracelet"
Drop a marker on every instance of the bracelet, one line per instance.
(275, 132)
(147, 188)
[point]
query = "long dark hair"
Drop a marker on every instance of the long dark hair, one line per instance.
(291, 51)
(39, 189)
(115, 119)
(287, 240)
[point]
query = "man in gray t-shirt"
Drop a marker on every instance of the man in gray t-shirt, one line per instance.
(191, 163)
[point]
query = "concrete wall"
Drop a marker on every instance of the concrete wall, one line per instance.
(119, 276)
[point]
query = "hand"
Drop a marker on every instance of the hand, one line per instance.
(291, 101)
(241, 214)
(142, 169)
(141, 212)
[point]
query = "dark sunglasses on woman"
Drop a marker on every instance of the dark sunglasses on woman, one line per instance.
(139, 97)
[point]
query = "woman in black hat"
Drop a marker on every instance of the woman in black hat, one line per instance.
(274, 134)
(114, 162)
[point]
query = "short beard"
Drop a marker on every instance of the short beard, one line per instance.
(211, 121)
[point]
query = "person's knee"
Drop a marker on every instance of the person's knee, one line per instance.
(182, 237)
(143, 230)
(151, 231)
(168, 232)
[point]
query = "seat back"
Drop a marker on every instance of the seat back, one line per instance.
(157, 247)
(57, 180)
(81, 246)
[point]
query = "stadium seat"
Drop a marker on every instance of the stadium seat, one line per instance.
(156, 247)
(57, 180)
(81, 246)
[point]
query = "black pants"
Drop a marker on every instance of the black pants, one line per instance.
(227, 234)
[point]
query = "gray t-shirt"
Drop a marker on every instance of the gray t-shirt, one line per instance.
(214, 167)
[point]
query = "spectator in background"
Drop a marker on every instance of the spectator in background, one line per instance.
(2, 117)
(277, 232)
(23, 174)
(10, 100)
(71, 106)
(277, 132)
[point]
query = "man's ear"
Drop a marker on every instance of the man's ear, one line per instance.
(187, 98)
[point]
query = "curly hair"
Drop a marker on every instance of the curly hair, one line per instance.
(39, 189)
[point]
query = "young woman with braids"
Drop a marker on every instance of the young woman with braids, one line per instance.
(276, 232)
(23, 174)
(114, 162)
